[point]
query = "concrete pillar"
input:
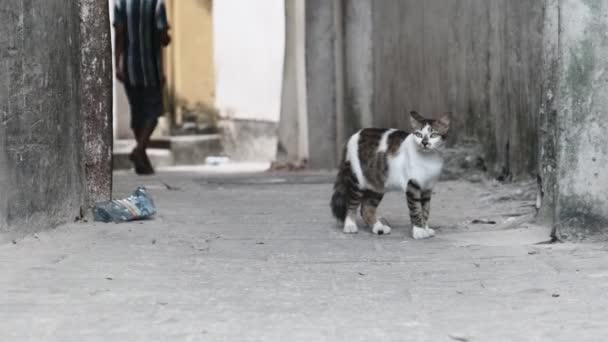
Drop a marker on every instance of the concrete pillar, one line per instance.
(358, 65)
(547, 130)
(293, 123)
(41, 125)
(96, 96)
(321, 84)
(579, 84)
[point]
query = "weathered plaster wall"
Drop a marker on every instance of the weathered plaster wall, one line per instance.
(358, 65)
(121, 118)
(293, 122)
(96, 98)
(547, 129)
(321, 84)
(249, 38)
(476, 58)
(249, 46)
(249, 140)
(42, 150)
(579, 84)
(189, 61)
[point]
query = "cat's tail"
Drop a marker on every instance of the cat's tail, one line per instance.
(343, 188)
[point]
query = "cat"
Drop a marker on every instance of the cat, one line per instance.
(378, 160)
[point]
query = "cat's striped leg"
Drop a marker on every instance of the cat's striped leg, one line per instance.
(354, 200)
(414, 203)
(369, 204)
(425, 202)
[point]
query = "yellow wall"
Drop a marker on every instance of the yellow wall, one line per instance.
(189, 59)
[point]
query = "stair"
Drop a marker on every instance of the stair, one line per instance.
(170, 151)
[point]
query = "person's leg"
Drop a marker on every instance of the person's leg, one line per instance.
(135, 95)
(144, 134)
(137, 157)
(136, 133)
(152, 108)
(142, 145)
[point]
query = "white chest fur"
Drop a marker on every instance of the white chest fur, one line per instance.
(412, 164)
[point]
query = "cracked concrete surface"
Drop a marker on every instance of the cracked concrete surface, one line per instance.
(258, 258)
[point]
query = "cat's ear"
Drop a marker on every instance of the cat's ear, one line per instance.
(443, 123)
(416, 120)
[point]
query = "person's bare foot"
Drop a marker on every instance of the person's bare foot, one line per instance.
(141, 162)
(149, 170)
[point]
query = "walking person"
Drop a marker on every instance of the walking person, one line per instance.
(142, 31)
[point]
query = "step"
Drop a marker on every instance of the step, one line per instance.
(193, 149)
(122, 148)
(170, 151)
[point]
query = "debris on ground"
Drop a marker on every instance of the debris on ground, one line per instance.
(458, 337)
(477, 221)
(170, 187)
(138, 206)
(217, 160)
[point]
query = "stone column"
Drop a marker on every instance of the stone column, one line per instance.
(293, 123)
(96, 93)
(574, 166)
(321, 84)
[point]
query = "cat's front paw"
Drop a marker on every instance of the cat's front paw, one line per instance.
(381, 229)
(422, 233)
(429, 231)
(350, 226)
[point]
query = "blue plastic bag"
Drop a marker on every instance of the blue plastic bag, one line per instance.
(138, 206)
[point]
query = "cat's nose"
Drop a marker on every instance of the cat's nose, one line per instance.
(425, 143)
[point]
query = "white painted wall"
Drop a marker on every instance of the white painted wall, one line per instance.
(249, 39)
(121, 117)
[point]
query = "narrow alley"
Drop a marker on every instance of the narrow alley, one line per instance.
(257, 257)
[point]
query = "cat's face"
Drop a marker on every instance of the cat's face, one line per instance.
(429, 134)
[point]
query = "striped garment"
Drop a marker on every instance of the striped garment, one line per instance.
(144, 20)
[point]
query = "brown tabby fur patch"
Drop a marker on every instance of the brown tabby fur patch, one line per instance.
(373, 164)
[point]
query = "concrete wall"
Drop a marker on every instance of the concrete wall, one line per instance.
(358, 65)
(249, 40)
(121, 118)
(96, 98)
(476, 58)
(576, 115)
(41, 127)
(189, 59)
(321, 84)
(293, 123)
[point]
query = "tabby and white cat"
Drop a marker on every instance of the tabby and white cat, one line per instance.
(379, 160)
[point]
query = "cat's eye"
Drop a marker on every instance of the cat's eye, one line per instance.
(434, 135)
(418, 134)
